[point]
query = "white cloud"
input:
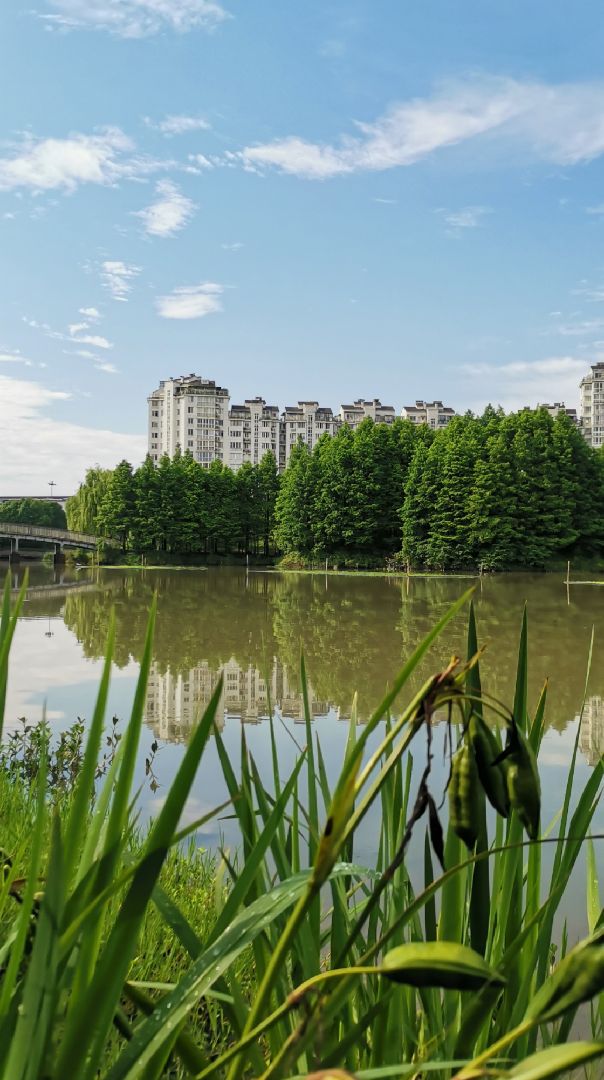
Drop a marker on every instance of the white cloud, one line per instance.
(178, 125)
(469, 217)
(191, 301)
(200, 162)
(33, 445)
(45, 164)
(14, 357)
(74, 328)
(561, 123)
(526, 382)
(90, 313)
(118, 277)
(136, 18)
(109, 369)
(236, 246)
(581, 327)
(385, 202)
(96, 340)
(169, 214)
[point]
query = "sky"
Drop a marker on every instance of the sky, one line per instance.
(328, 200)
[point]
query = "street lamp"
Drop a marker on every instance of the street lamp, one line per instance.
(51, 485)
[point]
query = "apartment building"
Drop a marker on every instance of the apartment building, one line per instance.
(307, 422)
(253, 431)
(433, 413)
(592, 405)
(354, 414)
(556, 408)
(195, 414)
(175, 701)
(191, 413)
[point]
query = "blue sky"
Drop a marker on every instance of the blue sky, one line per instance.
(321, 200)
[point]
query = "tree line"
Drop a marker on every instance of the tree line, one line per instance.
(44, 512)
(179, 506)
(501, 491)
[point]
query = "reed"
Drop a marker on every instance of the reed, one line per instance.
(312, 961)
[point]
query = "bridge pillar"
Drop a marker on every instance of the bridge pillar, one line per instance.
(14, 556)
(59, 556)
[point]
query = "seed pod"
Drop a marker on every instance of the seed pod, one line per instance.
(492, 773)
(463, 796)
(439, 963)
(524, 787)
(579, 977)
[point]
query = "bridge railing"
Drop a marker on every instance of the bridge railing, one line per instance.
(41, 532)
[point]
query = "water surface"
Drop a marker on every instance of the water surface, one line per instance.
(355, 633)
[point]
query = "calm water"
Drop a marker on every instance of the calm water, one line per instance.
(355, 632)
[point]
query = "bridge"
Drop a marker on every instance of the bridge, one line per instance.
(57, 538)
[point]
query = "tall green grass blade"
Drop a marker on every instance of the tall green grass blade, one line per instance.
(87, 1027)
(208, 967)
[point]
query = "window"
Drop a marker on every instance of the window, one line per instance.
(190, 442)
(190, 409)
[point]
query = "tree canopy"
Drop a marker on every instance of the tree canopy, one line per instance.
(44, 512)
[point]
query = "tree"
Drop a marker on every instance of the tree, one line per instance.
(83, 508)
(268, 489)
(42, 512)
(294, 508)
(116, 516)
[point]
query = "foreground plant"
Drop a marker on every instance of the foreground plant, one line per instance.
(355, 967)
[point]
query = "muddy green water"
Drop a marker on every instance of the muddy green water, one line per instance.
(355, 633)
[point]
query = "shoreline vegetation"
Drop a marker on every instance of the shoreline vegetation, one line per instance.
(496, 492)
(128, 954)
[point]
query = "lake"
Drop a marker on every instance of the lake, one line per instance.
(355, 632)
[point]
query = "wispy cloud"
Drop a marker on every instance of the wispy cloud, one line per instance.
(169, 213)
(555, 123)
(109, 369)
(385, 202)
(43, 164)
(34, 442)
(469, 217)
(191, 301)
(91, 313)
(526, 382)
(236, 246)
(178, 125)
(581, 327)
(14, 357)
(96, 340)
(136, 18)
(118, 277)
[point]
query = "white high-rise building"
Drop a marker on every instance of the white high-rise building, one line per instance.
(307, 421)
(592, 405)
(433, 413)
(253, 432)
(191, 413)
(557, 408)
(354, 414)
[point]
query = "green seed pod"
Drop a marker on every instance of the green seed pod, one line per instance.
(492, 776)
(439, 963)
(464, 796)
(524, 787)
(578, 978)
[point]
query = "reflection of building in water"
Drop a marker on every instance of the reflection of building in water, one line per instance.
(591, 738)
(176, 702)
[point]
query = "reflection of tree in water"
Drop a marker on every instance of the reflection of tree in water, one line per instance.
(355, 632)
(559, 634)
(347, 631)
(200, 616)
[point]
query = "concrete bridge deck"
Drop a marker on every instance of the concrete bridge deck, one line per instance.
(58, 538)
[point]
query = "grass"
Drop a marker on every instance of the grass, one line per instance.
(309, 960)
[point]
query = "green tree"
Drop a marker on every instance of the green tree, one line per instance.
(83, 508)
(116, 516)
(294, 508)
(42, 512)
